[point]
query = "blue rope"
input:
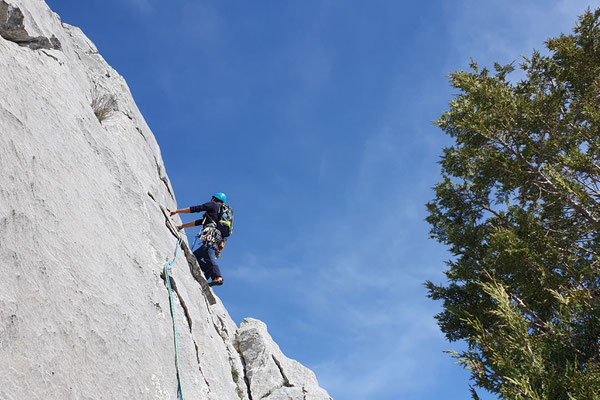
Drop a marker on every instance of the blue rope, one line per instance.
(197, 236)
(168, 279)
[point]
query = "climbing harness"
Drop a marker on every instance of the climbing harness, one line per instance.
(168, 280)
(211, 235)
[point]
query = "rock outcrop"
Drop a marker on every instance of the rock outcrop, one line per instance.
(84, 311)
(270, 373)
(12, 28)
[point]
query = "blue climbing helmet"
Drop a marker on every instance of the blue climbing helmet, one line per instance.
(220, 196)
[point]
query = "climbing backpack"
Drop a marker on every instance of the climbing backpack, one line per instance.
(225, 220)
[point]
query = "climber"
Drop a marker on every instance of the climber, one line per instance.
(217, 223)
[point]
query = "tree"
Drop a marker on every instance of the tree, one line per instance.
(518, 206)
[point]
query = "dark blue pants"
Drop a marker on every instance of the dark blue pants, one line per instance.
(208, 261)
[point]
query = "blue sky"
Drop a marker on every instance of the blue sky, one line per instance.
(315, 118)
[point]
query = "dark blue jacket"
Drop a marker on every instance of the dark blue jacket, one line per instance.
(211, 212)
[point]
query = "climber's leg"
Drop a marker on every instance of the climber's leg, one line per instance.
(202, 255)
(213, 268)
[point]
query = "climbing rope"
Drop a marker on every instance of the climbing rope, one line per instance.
(168, 280)
(197, 236)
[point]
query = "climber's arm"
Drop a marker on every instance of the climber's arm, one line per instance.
(193, 209)
(188, 225)
(181, 211)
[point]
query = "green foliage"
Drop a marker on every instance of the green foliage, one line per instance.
(519, 208)
(238, 348)
(234, 373)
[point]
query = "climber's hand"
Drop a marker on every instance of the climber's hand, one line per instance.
(179, 227)
(173, 212)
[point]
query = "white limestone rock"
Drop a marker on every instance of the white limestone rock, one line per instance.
(84, 311)
(270, 373)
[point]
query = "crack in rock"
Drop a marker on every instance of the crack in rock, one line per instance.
(199, 366)
(12, 28)
(222, 330)
(51, 56)
(151, 196)
(246, 380)
(286, 381)
(162, 275)
(189, 321)
(162, 177)
(168, 222)
(138, 129)
(166, 182)
(186, 312)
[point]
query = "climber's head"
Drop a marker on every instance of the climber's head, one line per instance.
(220, 197)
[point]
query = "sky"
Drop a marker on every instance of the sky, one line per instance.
(315, 118)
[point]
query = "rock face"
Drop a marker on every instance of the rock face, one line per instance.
(270, 373)
(84, 310)
(12, 28)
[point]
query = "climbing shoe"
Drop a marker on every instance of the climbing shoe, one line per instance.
(216, 282)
